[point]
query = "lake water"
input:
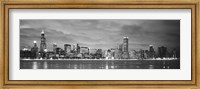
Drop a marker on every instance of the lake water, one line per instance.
(99, 64)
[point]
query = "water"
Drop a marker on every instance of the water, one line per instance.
(99, 64)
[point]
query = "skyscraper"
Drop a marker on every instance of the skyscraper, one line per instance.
(120, 47)
(109, 54)
(43, 44)
(84, 50)
(162, 51)
(73, 47)
(35, 46)
(67, 48)
(77, 48)
(99, 53)
(125, 48)
(151, 52)
(174, 53)
(125, 44)
(34, 50)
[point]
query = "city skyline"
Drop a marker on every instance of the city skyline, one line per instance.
(101, 34)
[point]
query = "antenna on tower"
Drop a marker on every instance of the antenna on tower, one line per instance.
(151, 45)
(34, 41)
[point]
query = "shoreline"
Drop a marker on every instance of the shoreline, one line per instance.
(99, 59)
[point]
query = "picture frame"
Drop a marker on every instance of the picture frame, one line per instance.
(97, 84)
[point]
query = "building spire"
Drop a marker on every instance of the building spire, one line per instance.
(151, 45)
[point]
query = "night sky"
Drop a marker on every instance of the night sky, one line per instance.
(102, 33)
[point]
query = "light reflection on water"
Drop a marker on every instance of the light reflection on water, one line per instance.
(64, 64)
(35, 65)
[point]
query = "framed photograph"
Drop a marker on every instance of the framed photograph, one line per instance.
(110, 44)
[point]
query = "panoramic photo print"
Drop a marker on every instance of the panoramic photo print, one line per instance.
(99, 44)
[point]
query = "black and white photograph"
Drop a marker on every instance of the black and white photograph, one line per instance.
(99, 44)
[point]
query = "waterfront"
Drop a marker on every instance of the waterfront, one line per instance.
(127, 44)
(100, 64)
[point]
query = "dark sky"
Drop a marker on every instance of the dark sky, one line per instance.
(102, 33)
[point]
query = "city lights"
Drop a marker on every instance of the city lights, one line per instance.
(79, 52)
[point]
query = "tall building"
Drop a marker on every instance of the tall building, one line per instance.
(125, 44)
(120, 47)
(125, 48)
(34, 50)
(162, 51)
(84, 50)
(67, 48)
(146, 54)
(43, 44)
(93, 51)
(58, 51)
(77, 48)
(109, 54)
(73, 47)
(132, 54)
(174, 53)
(151, 52)
(142, 56)
(117, 54)
(99, 53)
(151, 49)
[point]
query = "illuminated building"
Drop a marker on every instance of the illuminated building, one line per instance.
(117, 54)
(58, 50)
(99, 53)
(132, 54)
(174, 53)
(120, 47)
(84, 50)
(109, 54)
(112, 50)
(142, 56)
(73, 47)
(125, 44)
(146, 52)
(34, 50)
(77, 49)
(43, 44)
(67, 48)
(93, 51)
(151, 52)
(125, 54)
